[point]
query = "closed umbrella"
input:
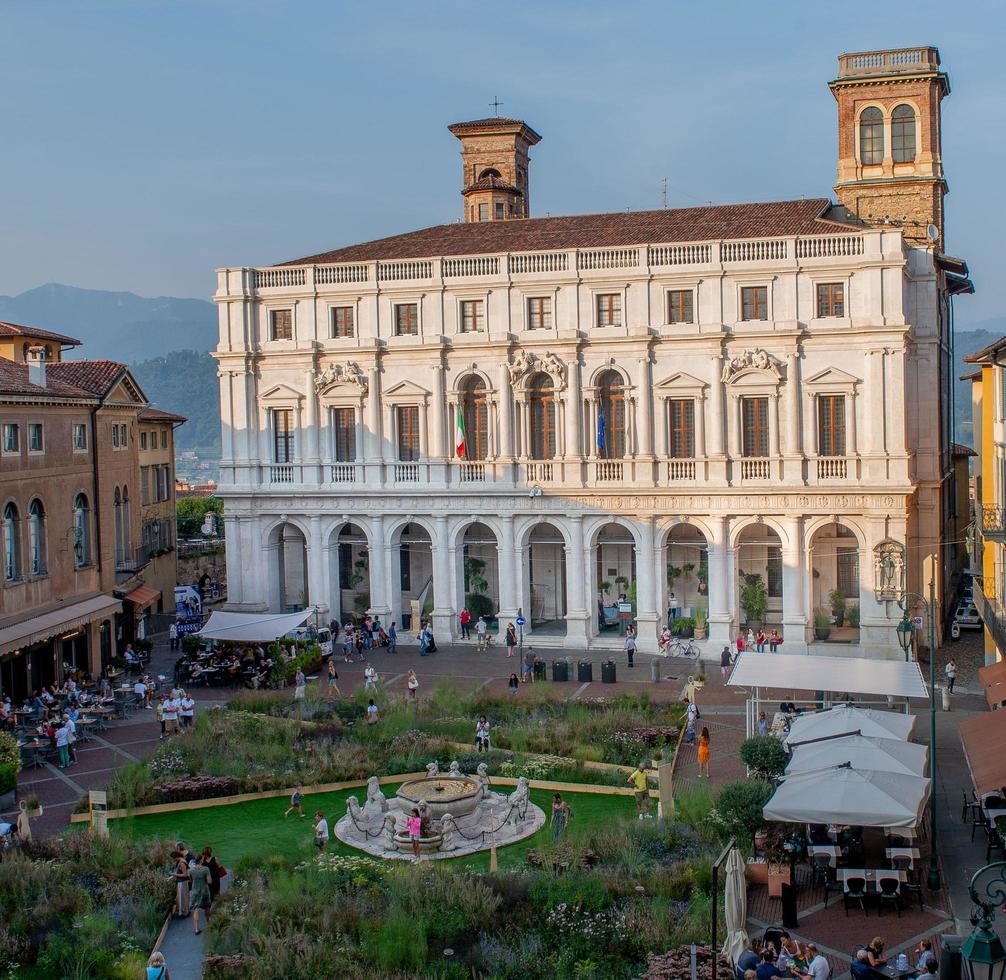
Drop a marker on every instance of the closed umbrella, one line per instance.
(735, 907)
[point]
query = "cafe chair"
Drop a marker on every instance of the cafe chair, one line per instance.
(968, 805)
(994, 840)
(977, 820)
(821, 872)
(909, 886)
(855, 891)
(889, 893)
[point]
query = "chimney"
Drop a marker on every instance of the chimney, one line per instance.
(36, 366)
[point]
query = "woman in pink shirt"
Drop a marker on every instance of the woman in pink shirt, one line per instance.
(415, 827)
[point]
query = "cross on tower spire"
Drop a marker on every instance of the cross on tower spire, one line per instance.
(496, 105)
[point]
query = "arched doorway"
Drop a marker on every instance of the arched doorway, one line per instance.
(479, 578)
(611, 429)
(474, 401)
(415, 598)
(614, 579)
(834, 583)
(291, 567)
(759, 577)
(687, 573)
(545, 581)
(351, 574)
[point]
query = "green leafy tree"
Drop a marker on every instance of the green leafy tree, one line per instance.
(740, 806)
(764, 754)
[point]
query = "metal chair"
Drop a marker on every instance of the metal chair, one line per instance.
(993, 839)
(855, 891)
(889, 893)
(910, 885)
(821, 869)
(967, 805)
(977, 820)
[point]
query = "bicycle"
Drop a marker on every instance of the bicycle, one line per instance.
(676, 648)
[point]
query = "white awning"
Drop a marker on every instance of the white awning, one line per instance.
(861, 752)
(252, 627)
(845, 718)
(856, 797)
(841, 675)
(35, 629)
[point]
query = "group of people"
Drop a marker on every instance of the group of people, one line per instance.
(175, 710)
(787, 957)
(197, 883)
(369, 634)
(754, 642)
(250, 666)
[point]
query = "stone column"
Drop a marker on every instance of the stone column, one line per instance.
(773, 425)
(378, 572)
(591, 434)
(227, 421)
(733, 427)
(851, 431)
(716, 406)
(792, 445)
(794, 573)
(509, 592)
(315, 567)
(646, 608)
(874, 442)
(644, 422)
(721, 572)
(443, 598)
(311, 455)
(574, 410)
(331, 598)
(438, 449)
(375, 448)
(506, 447)
(238, 572)
(577, 589)
(700, 426)
(393, 571)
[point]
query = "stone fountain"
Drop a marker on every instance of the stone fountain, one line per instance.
(461, 815)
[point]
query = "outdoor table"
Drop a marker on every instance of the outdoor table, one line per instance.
(993, 815)
(910, 852)
(84, 724)
(101, 713)
(34, 747)
(871, 875)
(890, 970)
(833, 851)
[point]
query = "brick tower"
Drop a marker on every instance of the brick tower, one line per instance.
(494, 162)
(890, 170)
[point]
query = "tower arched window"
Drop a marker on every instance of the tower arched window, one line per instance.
(475, 414)
(36, 538)
(11, 544)
(610, 416)
(81, 532)
(903, 134)
(871, 137)
(541, 399)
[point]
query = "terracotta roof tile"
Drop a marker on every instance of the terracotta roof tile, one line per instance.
(620, 229)
(490, 183)
(14, 381)
(975, 375)
(959, 449)
(95, 377)
(495, 122)
(152, 414)
(981, 356)
(16, 330)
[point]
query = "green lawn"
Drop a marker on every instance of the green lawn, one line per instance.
(257, 829)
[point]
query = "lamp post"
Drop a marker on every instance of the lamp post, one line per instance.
(983, 953)
(904, 630)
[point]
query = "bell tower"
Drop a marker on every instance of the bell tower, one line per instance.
(890, 170)
(494, 165)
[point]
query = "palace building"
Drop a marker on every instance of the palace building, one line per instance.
(729, 414)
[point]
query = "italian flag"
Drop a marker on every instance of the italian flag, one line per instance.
(459, 435)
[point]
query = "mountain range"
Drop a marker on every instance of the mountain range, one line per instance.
(167, 340)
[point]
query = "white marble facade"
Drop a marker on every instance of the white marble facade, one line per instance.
(548, 530)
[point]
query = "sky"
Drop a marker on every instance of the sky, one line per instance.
(148, 142)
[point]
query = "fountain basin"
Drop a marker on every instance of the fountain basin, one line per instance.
(441, 795)
(427, 845)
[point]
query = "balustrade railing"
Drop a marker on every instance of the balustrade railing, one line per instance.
(539, 262)
(832, 468)
(395, 271)
(608, 470)
(903, 59)
(539, 472)
(406, 472)
(281, 474)
(993, 520)
(757, 251)
(472, 472)
(342, 473)
(679, 254)
(609, 258)
(284, 276)
(829, 246)
(756, 469)
(327, 275)
(477, 265)
(681, 469)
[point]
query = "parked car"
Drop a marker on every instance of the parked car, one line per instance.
(967, 616)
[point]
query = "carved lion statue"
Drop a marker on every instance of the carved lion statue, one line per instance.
(454, 772)
(447, 830)
(374, 794)
(432, 769)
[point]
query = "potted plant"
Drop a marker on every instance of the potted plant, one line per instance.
(754, 600)
(703, 577)
(673, 573)
(622, 582)
(837, 599)
(604, 586)
(822, 625)
(34, 806)
(700, 623)
(683, 626)
(764, 756)
(700, 679)
(779, 860)
(852, 614)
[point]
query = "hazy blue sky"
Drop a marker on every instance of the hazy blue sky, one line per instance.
(148, 142)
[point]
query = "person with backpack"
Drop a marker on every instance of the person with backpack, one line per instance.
(157, 968)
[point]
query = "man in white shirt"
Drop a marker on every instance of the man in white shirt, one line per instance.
(370, 676)
(187, 710)
(480, 632)
(171, 716)
(140, 690)
(71, 736)
(817, 968)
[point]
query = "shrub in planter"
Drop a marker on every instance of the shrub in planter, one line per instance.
(740, 805)
(764, 754)
(822, 625)
(852, 615)
(837, 600)
(754, 599)
(479, 605)
(683, 626)
(10, 763)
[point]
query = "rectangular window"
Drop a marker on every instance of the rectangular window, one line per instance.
(143, 440)
(831, 299)
(754, 303)
(145, 485)
(472, 316)
(166, 472)
(609, 309)
(344, 426)
(11, 437)
(164, 438)
(281, 324)
(115, 436)
(539, 312)
(282, 429)
(831, 425)
(123, 436)
(848, 571)
(754, 422)
(406, 319)
(79, 437)
(680, 306)
(773, 573)
(483, 212)
(407, 417)
(342, 321)
(499, 211)
(36, 438)
(682, 428)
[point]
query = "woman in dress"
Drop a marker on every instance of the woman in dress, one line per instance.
(217, 871)
(511, 641)
(199, 895)
(704, 753)
(415, 828)
(181, 876)
(560, 817)
(333, 679)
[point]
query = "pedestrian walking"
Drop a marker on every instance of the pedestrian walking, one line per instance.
(393, 639)
(726, 662)
(482, 734)
(321, 829)
(181, 876)
(296, 803)
(560, 817)
(465, 620)
(370, 677)
(171, 708)
(173, 636)
(347, 643)
(511, 640)
(951, 671)
(637, 780)
(157, 967)
(513, 684)
(762, 723)
(740, 642)
(217, 872)
(703, 754)
(333, 680)
(299, 690)
(527, 672)
(481, 634)
(412, 684)
(160, 716)
(630, 644)
(62, 746)
(199, 892)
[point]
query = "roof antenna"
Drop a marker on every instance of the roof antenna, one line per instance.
(663, 192)
(496, 106)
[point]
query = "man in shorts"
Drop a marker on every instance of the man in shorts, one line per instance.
(320, 831)
(637, 779)
(295, 803)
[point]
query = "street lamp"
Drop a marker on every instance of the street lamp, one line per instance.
(905, 634)
(983, 953)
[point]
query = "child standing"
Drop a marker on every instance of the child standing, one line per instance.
(415, 827)
(295, 803)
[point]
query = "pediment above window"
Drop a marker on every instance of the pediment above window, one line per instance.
(407, 389)
(832, 378)
(281, 393)
(681, 383)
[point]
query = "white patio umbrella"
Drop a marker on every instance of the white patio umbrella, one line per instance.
(735, 906)
(861, 752)
(847, 796)
(845, 718)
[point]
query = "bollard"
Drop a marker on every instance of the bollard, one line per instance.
(654, 670)
(945, 694)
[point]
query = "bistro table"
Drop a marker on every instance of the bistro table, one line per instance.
(833, 851)
(34, 746)
(101, 713)
(870, 875)
(909, 852)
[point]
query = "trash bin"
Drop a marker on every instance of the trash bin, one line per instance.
(584, 671)
(560, 670)
(789, 916)
(654, 670)
(608, 672)
(539, 670)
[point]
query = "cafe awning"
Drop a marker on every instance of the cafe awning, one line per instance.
(861, 752)
(856, 797)
(843, 675)
(983, 738)
(252, 627)
(143, 596)
(844, 718)
(56, 621)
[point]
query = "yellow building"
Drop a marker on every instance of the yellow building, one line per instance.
(988, 412)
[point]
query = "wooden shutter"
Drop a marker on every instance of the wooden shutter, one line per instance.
(282, 423)
(831, 425)
(543, 422)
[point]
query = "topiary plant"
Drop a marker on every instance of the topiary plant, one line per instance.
(740, 806)
(754, 598)
(764, 754)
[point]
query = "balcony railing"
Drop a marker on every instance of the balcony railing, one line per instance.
(540, 472)
(756, 469)
(342, 473)
(891, 61)
(129, 561)
(472, 472)
(680, 469)
(406, 472)
(832, 468)
(281, 474)
(993, 616)
(993, 522)
(608, 470)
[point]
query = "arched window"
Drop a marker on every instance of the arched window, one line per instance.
(36, 537)
(81, 532)
(475, 414)
(541, 400)
(903, 134)
(610, 416)
(489, 172)
(11, 544)
(871, 136)
(120, 552)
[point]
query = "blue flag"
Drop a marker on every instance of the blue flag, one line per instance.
(600, 428)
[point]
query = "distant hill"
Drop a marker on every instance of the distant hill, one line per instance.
(119, 326)
(185, 381)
